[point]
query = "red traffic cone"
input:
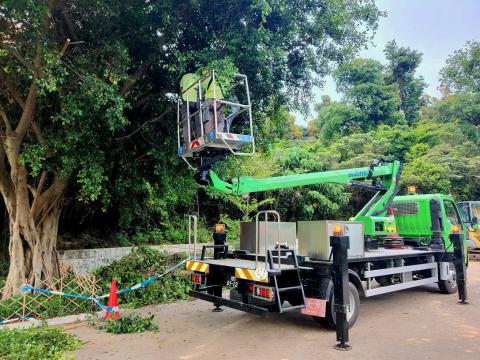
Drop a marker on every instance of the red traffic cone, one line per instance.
(112, 311)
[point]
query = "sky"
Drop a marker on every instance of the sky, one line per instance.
(434, 27)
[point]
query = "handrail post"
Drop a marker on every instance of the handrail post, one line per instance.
(257, 239)
(192, 219)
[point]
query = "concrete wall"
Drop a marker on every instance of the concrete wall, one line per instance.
(87, 260)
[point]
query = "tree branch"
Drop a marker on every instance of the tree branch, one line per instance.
(48, 199)
(21, 59)
(151, 121)
(68, 19)
(12, 88)
(38, 133)
(30, 103)
(8, 127)
(6, 184)
(143, 68)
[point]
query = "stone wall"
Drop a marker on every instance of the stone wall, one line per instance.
(87, 260)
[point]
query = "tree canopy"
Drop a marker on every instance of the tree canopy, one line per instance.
(87, 101)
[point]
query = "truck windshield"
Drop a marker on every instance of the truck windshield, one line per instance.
(451, 212)
(476, 209)
(464, 212)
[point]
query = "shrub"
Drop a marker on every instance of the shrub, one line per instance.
(36, 343)
(142, 264)
(128, 324)
(3, 271)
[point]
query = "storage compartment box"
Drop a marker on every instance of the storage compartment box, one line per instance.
(314, 238)
(287, 234)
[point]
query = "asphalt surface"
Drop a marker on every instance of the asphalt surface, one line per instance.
(413, 324)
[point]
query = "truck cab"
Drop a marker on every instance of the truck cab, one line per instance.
(428, 219)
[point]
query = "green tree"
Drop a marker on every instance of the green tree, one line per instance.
(462, 71)
(400, 70)
(427, 176)
(306, 203)
(86, 101)
(340, 119)
(363, 83)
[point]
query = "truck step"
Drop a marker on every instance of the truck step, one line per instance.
(289, 288)
(290, 308)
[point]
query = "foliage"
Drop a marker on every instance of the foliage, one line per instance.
(233, 230)
(128, 324)
(278, 45)
(461, 73)
(400, 70)
(339, 119)
(142, 264)
(305, 203)
(3, 269)
(36, 343)
(363, 83)
(427, 176)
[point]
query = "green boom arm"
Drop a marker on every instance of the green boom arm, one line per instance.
(385, 176)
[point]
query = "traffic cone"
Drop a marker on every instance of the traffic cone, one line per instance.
(112, 312)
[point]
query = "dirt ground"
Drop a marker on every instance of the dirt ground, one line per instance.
(412, 324)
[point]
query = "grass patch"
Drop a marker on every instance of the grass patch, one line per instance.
(36, 343)
(128, 324)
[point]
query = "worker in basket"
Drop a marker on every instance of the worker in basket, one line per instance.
(213, 91)
(189, 92)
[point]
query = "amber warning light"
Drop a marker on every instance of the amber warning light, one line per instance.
(220, 228)
(337, 230)
(455, 229)
(411, 189)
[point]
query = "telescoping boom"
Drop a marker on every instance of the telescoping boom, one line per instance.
(384, 176)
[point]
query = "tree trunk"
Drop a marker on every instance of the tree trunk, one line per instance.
(33, 236)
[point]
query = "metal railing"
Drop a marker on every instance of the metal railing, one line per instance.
(202, 105)
(257, 236)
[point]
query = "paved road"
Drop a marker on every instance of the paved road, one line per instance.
(413, 324)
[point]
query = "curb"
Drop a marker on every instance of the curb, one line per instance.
(51, 322)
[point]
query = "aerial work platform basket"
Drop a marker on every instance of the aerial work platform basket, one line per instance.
(212, 120)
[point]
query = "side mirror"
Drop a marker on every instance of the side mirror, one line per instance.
(474, 223)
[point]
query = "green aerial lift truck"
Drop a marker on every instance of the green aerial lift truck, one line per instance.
(286, 266)
(299, 272)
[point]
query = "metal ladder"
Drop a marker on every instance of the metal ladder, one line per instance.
(294, 284)
(280, 274)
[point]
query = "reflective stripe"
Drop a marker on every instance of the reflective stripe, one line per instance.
(198, 266)
(208, 86)
(186, 83)
(248, 274)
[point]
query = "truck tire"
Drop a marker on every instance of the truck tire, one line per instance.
(449, 286)
(352, 313)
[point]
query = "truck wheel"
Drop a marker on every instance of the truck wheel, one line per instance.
(449, 286)
(352, 311)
